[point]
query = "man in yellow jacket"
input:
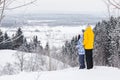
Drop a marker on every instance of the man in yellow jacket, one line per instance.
(88, 44)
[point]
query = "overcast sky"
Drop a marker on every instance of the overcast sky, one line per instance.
(63, 6)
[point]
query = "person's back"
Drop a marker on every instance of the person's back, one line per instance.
(88, 43)
(88, 38)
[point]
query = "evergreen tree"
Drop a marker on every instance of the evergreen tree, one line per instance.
(18, 39)
(24, 46)
(70, 52)
(47, 48)
(107, 44)
(1, 39)
(7, 44)
(35, 45)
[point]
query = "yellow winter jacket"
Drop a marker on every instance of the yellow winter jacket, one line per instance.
(88, 41)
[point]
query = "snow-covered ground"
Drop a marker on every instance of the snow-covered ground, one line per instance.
(55, 35)
(10, 56)
(98, 73)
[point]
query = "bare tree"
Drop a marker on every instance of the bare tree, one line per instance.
(21, 59)
(112, 5)
(8, 69)
(4, 5)
(108, 7)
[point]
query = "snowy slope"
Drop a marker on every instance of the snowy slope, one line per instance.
(9, 56)
(98, 73)
(6, 56)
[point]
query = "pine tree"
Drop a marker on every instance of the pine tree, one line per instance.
(35, 45)
(24, 46)
(18, 39)
(107, 44)
(7, 44)
(47, 48)
(70, 52)
(1, 39)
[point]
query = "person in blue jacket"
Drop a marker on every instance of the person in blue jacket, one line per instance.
(81, 51)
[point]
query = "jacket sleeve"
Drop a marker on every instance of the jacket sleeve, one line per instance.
(77, 46)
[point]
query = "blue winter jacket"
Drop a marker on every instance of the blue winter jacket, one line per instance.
(80, 47)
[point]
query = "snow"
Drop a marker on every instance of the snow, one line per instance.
(9, 56)
(6, 56)
(55, 35)
(98, 73)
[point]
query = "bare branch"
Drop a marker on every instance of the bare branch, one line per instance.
(114, 4)
(22, 5)
(4, 5)
(9, 2)
(1, 2)
(108, 7)
(1, 16)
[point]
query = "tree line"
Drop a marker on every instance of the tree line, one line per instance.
(19, 42)
(107, 42)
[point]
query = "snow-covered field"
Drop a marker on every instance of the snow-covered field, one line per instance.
(55, 35)
(98, 73)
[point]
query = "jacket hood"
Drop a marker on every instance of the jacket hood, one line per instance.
(89, 28)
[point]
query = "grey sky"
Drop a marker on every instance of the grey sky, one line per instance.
(63, 6)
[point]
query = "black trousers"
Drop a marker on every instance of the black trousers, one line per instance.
(81, 61)
(89, 58)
